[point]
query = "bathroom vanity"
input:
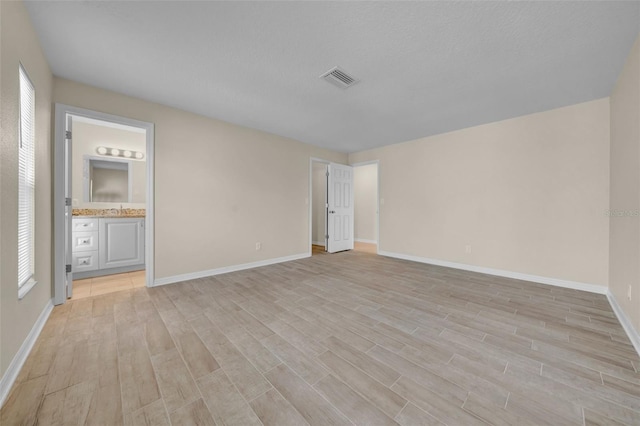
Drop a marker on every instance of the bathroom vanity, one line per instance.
(107, 245)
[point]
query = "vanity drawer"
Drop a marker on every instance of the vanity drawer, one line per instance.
(84, 225)
(84, 241)
(85, 261)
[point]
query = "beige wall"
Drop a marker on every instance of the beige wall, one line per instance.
(624, 256)
(19, 45)
(528, 194)
(365, 192)
(219, 188)
(87, 137)
(319, 189)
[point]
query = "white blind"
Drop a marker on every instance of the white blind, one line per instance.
(26, 180)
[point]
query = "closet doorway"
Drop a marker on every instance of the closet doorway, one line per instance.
(366, 206)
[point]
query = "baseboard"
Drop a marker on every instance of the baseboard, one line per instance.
(318, 243)
(591, 288)
(10, 376)
(633, 334)
(227, 269)
(362, 240)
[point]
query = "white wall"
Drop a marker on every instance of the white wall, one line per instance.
(219, 187)
(87, 137)
(625, 188)
(19, 44)
(319, 189)
(365, 193)
(528, 194)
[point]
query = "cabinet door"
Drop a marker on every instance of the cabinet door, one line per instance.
(121, 242)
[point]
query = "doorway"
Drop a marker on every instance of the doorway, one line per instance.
(103, 208)
(318, 206)
(366, 208)
(331, 207)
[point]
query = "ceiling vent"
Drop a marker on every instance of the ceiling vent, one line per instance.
(339, 77)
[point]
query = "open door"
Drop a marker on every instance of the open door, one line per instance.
(340, 206)
(68, 214)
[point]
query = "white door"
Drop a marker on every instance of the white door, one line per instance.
(340, 202)
(68, 215)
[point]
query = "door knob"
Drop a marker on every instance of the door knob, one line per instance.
(332, 211)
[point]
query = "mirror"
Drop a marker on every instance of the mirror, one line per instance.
(107, 180)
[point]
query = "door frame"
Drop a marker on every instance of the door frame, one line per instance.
(311, 161)
(377, 163)
(59, 261)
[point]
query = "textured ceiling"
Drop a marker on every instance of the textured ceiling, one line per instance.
(424, 67)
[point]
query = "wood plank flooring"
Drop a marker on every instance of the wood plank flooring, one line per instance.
(348, 338)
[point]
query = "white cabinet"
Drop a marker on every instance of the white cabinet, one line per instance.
(107, 245)
(84, 241)
(121, 242)
(85, 261)
(83, 224)
(84, 244)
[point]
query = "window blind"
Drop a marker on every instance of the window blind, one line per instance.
(26, 180)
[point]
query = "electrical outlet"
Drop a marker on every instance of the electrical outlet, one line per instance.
(467, 248)
(258, 246)
(629, 293)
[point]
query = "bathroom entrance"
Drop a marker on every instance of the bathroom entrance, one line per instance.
(103, 234)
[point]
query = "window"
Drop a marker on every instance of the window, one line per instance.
(26, 185)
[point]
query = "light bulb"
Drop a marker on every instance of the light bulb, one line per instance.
(139, 155)
(127, 154)
(102, 150)
(115, 151)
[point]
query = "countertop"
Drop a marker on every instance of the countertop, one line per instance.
(128, 216)
(117, 213)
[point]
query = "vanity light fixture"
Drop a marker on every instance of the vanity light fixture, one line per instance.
(115, 152)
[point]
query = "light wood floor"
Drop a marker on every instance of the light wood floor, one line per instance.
(348, 338)
(107, 284)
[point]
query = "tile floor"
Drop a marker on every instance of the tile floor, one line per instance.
(107, 284)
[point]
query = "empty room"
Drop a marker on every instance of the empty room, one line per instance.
(320, 213)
